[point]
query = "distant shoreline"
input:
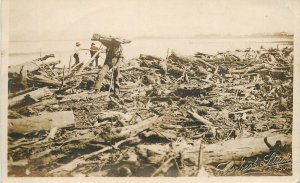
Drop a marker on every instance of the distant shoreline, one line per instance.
(291, 37)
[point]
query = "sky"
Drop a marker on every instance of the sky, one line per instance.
(79, 19)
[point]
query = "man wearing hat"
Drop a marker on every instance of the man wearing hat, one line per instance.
(113, 57)
(76, 53)
(93, 51)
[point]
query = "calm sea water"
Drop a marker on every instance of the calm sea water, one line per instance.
(21, 52)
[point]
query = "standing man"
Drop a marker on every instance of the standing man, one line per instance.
(76, 53)
(113, 57)
(93, 51)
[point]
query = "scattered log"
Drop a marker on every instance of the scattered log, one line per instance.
(14, 94)
(185, 91)
(124, 119)
(206, 63)
(44, 80)
(39, 106)
(131, 130)
(30, 66)
(225, 151)
(36, 94)
(151, 78)
(175, 71)
(237, 149)
(250, 69)
(45, 57)
(13, 115)
(200, 118)
(45, 121)
(223, 94)
(81, 160)
(187, 60)
(149, 57)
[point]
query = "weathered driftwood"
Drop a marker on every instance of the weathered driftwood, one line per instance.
(30, 66)
(200, 118)
(14, 94)
(45, 121)
(185, 91)
(149, 57)
(175, 71)
(182, 59)
(237, 149)
(115, 115)
(36, 95)
(151, 78)
(44, 80)
(194, 62)
(206, 63)
(131, 130)
(82, 159)
(250, 69)
(39, 106)
(225, 151)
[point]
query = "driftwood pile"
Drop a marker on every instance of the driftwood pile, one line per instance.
(180, 116)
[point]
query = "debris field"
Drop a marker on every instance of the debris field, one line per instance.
(193, 115)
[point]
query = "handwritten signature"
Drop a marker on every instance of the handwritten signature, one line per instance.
(273, 162)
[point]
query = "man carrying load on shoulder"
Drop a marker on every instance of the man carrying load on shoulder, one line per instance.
(114, 55)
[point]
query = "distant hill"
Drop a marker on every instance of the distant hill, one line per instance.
(256, 35)
(223, 36)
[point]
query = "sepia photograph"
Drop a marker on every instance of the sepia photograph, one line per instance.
(140, 88)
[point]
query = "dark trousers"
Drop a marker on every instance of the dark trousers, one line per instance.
(95, 59)
(76, 58)
(108, 64)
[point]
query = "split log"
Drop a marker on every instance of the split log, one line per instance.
(45, 121)
(36, 95)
